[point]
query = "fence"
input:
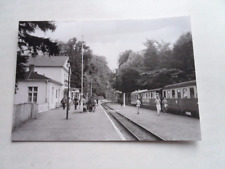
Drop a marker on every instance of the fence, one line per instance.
(24, 112)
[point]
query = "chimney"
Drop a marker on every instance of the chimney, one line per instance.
(31, 68)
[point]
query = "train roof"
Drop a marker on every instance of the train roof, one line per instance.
(182, 84)
(139, 91)
(152, 90)
(117, 91)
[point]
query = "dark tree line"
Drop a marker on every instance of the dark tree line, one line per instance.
(159, 64)
(29, 45)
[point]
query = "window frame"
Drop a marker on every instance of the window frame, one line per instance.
(34, 94)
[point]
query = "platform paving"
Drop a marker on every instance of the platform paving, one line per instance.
(168, 126)
(52, 126)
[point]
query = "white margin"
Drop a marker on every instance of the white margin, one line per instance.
(113, 124)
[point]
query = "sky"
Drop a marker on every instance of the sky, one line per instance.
(109, 38)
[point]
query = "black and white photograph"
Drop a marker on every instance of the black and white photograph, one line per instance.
(106, 80)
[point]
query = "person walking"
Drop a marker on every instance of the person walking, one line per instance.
(75, 103)
(63, 102)
(97, 101)
(94, 105)
(138, 105)
(121, 102)
(165, 105)
(90, 105)
(158, 104)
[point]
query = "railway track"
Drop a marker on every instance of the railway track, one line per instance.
(138, 132)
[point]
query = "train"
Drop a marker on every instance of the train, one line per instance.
(182, 98)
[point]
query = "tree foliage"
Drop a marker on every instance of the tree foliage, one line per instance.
(96, 71)
(124, 56)
(183, 53)
(72, 48)
(126, 80)
(99, 74)
(29, 45)
(158, 65)
(151, 59)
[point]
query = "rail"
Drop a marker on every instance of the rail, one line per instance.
(136, 130)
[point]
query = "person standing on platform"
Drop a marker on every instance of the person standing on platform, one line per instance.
(138, 105)
(158, 104)
(90, 105)
(75, 103)
(94, 105)
(121, 102)
(165, 105)
(63, 101)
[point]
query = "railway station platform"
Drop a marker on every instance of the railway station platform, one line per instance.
(53, 126)
(168, 126)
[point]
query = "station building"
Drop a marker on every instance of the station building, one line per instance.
(45, 83)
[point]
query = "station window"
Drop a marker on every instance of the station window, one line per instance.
(52, 94)
(32, 94)
(173, 93)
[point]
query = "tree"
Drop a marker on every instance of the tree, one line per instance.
(183, 55)
(161, 64)
(124, 56)
(72, 48)
(29, 45)
(99, 75)
(164, 54)
(151, 58)
(126, 80)
(96, 71)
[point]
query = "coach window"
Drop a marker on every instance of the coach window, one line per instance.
(192, 92)
(185, 93)
(164, 94)
(173, 93)
(168, 94)
(178, 93)
(196, 93)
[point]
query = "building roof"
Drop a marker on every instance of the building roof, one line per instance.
(34, 76)
(46, 61)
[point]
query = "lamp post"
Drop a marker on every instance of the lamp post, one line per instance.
(91, 89)
(67, 107)
(82, 72)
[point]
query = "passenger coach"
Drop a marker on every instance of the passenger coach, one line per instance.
(182, 98)
(137, 94)
(148, 98)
